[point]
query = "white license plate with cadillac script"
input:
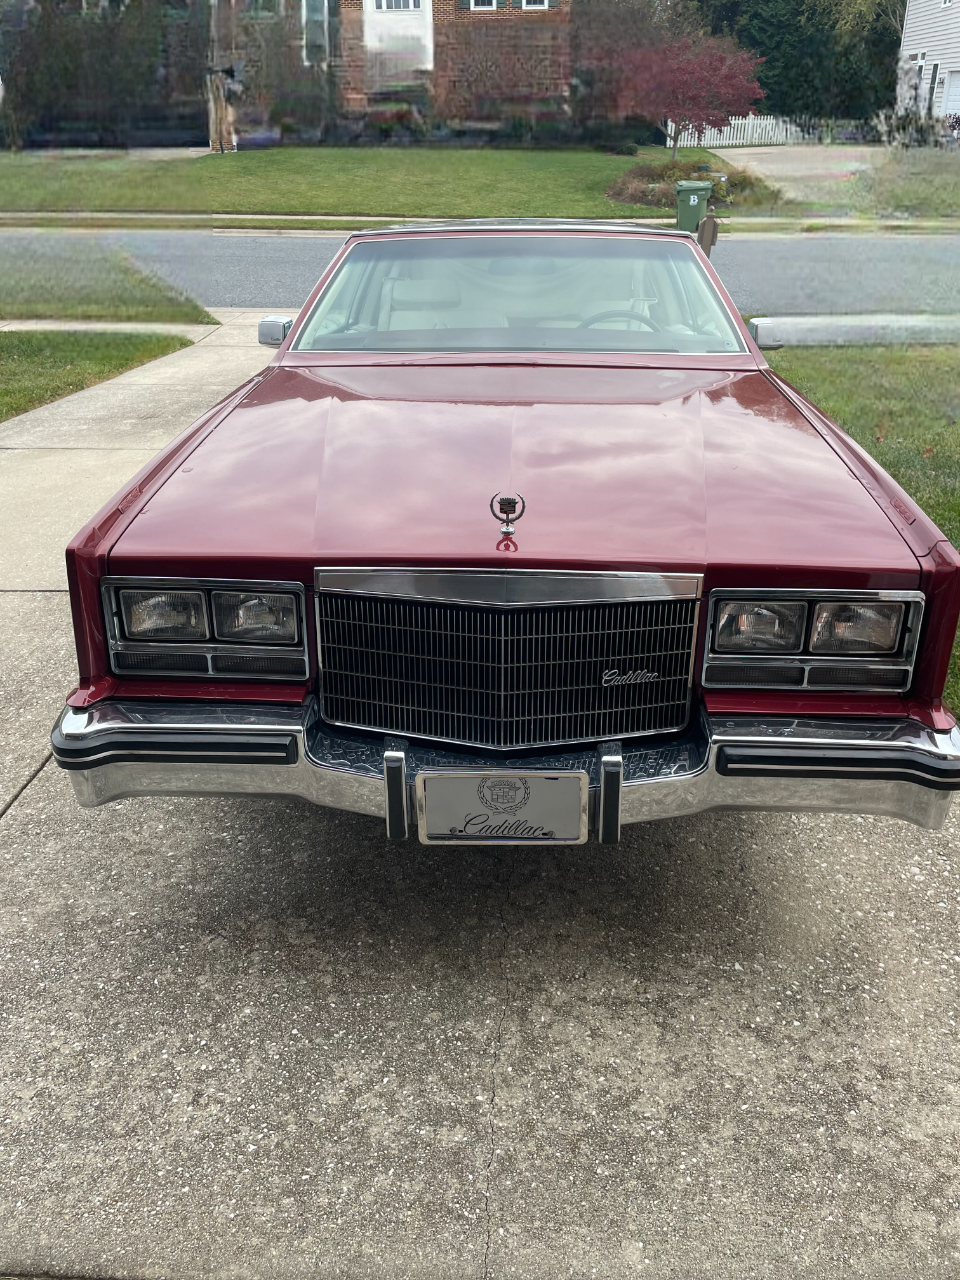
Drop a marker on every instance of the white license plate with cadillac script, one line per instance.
(502, 807)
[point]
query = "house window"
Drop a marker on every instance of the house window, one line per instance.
(534, 4)
(398, 4)
(483, 4)
(933, 87)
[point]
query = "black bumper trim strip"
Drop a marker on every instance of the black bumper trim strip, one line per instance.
(875, 765)
(179, 748)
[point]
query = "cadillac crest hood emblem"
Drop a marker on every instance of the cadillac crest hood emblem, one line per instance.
(508, 511)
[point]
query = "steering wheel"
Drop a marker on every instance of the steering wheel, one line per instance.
(620, 315)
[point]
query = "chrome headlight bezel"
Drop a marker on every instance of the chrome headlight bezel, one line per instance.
(209, 658)
(809, 668)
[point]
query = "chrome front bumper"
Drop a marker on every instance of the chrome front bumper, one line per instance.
(898, 768)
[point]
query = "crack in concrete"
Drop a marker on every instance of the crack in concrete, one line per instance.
(497, 1044)
(8, 805)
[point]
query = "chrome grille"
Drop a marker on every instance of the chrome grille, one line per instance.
(504, 678)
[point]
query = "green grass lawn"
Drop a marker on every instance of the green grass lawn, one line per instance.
(36, 368)
(902, 404)
(34, 181)
(75, 278)
(922, 181)
(414, 182)
(421, 183)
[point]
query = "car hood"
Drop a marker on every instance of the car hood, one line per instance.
(619, 468)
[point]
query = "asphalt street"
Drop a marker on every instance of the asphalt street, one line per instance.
(253, 1040)
(766, 274)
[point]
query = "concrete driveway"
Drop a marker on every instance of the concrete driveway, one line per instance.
(813, 173)
(252, 1039)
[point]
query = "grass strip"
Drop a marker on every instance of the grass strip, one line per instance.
(902, 404)
(922, 181)
(76, 278)
(36, 368)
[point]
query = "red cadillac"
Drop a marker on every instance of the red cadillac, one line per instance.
(516, 539)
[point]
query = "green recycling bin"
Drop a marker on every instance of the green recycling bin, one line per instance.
(692, 198)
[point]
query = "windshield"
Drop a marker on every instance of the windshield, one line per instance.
(520, 293)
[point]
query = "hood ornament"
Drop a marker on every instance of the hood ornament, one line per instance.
(508, 511)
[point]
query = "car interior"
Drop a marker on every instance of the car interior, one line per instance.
(441, 299)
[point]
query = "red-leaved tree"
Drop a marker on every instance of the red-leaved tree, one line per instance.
(694, 84)
(711, 80)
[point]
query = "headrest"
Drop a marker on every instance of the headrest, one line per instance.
(641, 286)
(424, 295)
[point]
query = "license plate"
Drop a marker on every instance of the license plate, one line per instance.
(502, 808)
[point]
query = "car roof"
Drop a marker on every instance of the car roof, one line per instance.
(563, 225)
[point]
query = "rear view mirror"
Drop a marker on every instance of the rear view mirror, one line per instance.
(764, 334)
(273, 329)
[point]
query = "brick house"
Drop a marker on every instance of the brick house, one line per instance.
(478, 60)
(930, 57)
(496, 59)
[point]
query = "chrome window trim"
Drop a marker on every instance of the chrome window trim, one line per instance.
(213, 647)
(495, 587)
(903, 660)
(601, 230)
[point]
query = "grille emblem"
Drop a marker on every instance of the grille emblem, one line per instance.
(502, 794)
(628, 677)
(508, 511)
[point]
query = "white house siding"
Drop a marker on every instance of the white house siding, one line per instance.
(932, 28)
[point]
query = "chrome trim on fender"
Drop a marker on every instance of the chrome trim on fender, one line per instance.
(896, 768)
(512, 587)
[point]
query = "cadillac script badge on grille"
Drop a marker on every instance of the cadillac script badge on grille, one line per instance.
(508, 511)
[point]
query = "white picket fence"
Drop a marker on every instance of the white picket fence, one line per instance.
(746, 131)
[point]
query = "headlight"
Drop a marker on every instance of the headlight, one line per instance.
(164, 615)
(760, 626)
(255, 616)
(856, 627)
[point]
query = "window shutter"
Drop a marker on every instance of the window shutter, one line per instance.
(516, 4)
(553, 4)
(464, 4)
(503, 4)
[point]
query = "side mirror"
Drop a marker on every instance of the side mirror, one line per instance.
(764, 334)
(273, 329)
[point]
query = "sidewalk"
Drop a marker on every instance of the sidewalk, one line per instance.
(59, 463)
(238, 330)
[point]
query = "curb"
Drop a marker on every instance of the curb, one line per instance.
(878, 329)
(195, 332)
